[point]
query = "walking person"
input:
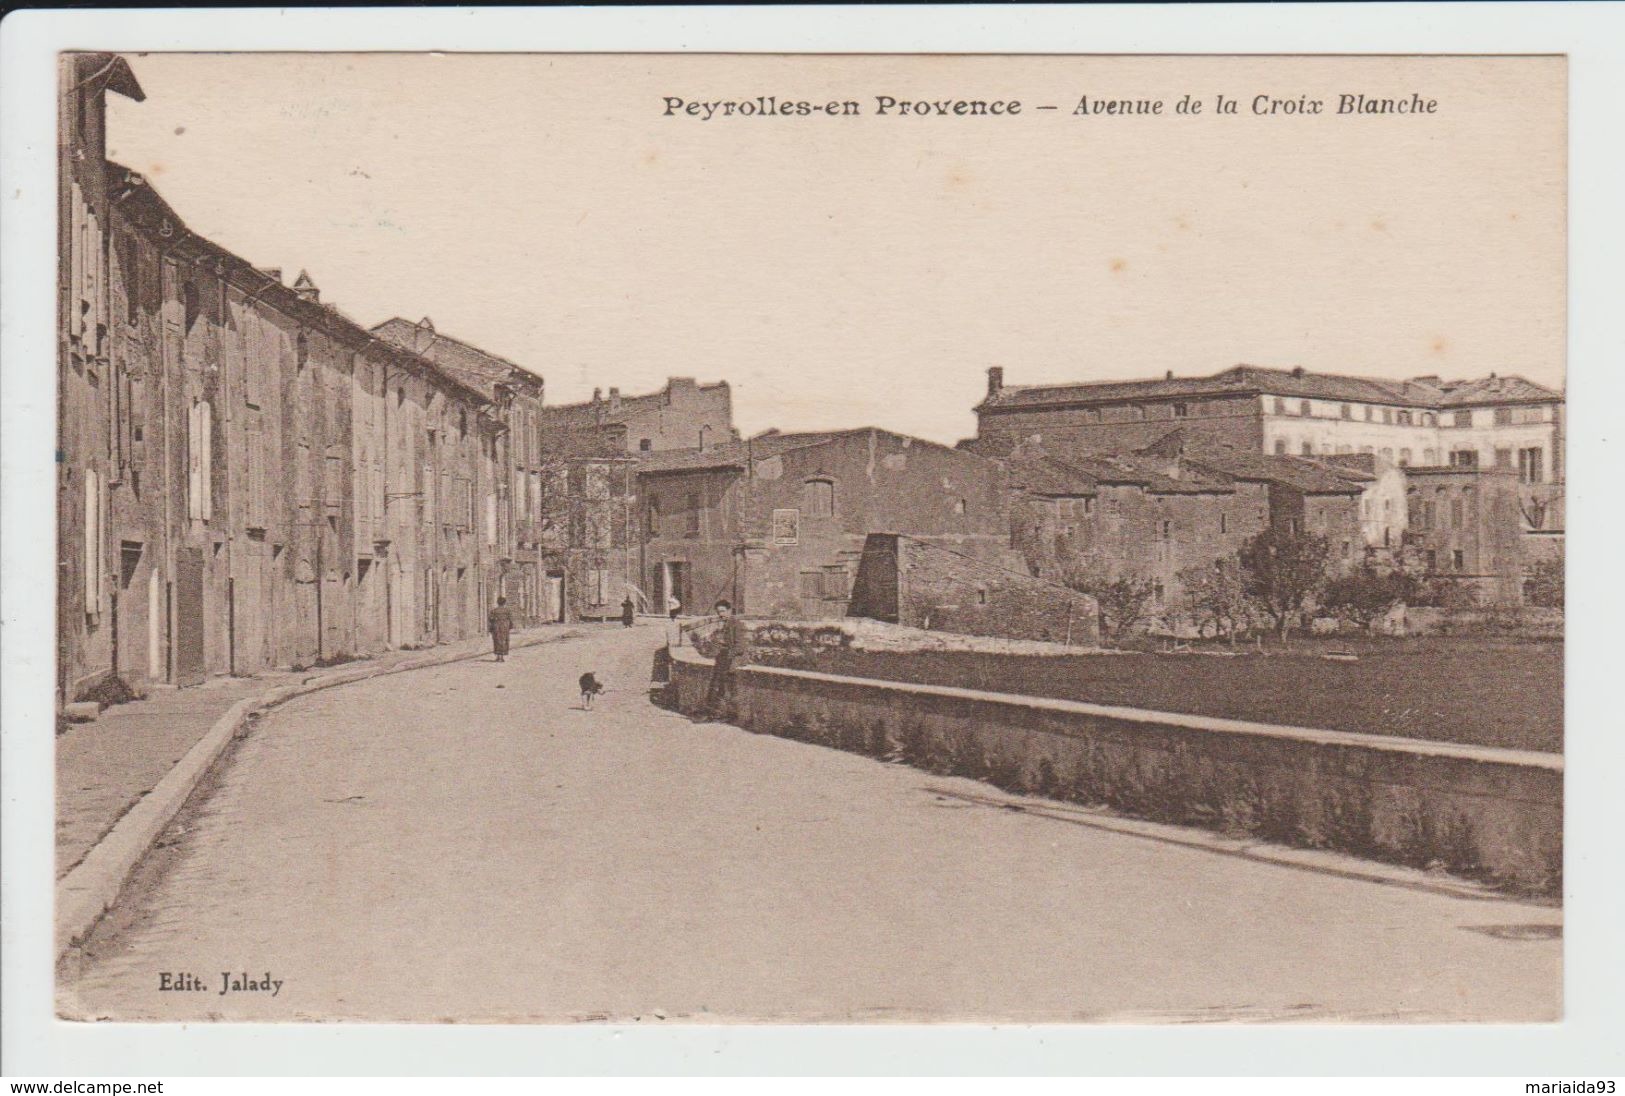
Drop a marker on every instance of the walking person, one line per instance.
(629, 610)
(719, 693)
(500, 623)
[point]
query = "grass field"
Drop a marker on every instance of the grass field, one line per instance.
(1481, 690)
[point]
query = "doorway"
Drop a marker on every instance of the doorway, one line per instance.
(190, 667)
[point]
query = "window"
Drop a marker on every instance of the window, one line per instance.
(1137, 412)
(818, 498)
(1224, 522)
(705, 437)
(1404, 458)
(1433, 560)
(644, 445)
(1280, 447)
(1369, 412)
(1503, 416)
(1308, 450)
(1405, 418)
(1345, 411)
(189, 304)
(959, 506)
(301, 352)
(1181, 410)
(692, 512)
(1461, 419)
(812, 584)
(1529, 466)
(836, 587)
(1464, 458)
(651, 516)
(1503, 458)
(786, 526)
(1167, 530)
(1457, 514)
(1458, 560)
(1366, 449)
(1385, 453)
(1303, 408)
(1280, 406)
(1387, 416)
(1430, 457)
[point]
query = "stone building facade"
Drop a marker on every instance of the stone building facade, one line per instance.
(905, 580)
(93, 456)
(682, 415)
(248, 478)
(1155, 512)
(777, 524)
(1464, 526)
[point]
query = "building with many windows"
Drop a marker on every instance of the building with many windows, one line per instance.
(1504, 422)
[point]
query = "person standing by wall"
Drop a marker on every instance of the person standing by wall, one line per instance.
(500, 623)
(725, 649)
(629, 611)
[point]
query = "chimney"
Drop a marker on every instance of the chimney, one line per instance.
(306, 289)
(1169, 375)
(597, 395)
(614, 399)
(1298, 371)
(995, 379)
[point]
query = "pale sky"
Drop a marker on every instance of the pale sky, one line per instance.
(867, 270)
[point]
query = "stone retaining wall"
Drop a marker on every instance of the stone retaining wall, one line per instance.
(1484, 813)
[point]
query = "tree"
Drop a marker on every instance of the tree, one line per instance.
(1123, 600)
(1282, 570)
(1544, 584)
(1216, 594)
(1367, 593)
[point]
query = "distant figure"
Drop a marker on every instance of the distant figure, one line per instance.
(628, 611)
(499, 624)
(590, 687)
(719, 693)
(673, 606)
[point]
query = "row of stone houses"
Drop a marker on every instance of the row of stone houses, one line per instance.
(1467, 475)
(248, 478)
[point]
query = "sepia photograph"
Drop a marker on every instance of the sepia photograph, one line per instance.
(730, 538)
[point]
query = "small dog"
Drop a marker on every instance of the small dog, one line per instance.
(590, 687)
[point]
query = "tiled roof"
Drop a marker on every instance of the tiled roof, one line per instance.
(145, 210)
(735, 454)
(469, 364)
(1258, 380)
(1041, 474)
(1496, 390)
(1310, 477)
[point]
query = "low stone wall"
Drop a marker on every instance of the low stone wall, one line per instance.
(1483, 813)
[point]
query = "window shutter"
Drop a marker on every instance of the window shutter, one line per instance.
(206, 461)
(93, 542)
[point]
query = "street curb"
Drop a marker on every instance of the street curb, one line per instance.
(86, 893)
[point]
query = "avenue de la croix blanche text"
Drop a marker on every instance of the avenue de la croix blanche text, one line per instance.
(887, 106)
